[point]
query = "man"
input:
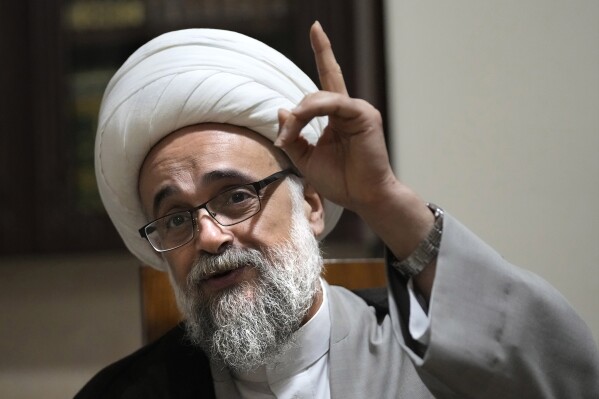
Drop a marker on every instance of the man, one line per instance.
(215, 164)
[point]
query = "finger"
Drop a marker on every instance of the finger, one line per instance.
(284, 134)
(290, 128)
(298, 151)
(356, 115)
(329, 71)
(324, 103)
(289, 140)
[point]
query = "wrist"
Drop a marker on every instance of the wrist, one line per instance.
(400, 218)
(427, 250)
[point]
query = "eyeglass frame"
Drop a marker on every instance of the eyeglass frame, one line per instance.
(258, 187)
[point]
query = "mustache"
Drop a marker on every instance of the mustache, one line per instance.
(209, 265)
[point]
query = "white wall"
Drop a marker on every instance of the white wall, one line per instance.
(495, 116)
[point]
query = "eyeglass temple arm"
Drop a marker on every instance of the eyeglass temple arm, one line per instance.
(272, 178)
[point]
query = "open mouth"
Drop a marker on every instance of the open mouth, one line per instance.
(224, 279)
(221, 274)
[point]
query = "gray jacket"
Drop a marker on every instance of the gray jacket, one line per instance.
(497, 331)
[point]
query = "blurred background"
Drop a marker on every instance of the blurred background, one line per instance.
(492, 111)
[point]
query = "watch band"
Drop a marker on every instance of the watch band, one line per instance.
(427, 250)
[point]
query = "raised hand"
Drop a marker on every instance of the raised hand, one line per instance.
(349, 164)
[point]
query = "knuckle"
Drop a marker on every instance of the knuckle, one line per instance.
(370, 111)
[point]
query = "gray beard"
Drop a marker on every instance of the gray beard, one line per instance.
(250, 324)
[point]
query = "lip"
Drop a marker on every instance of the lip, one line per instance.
(222, 281)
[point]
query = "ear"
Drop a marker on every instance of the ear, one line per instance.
(314, 210)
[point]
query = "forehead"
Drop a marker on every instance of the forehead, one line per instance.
(209, 143)
(183, 157)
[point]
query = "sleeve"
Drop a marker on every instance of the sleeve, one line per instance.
(496, 331)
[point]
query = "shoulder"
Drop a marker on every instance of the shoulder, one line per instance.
(162, 369)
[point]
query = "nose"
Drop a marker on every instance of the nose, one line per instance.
(211, 237)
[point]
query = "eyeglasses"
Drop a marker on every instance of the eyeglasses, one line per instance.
(230, 207)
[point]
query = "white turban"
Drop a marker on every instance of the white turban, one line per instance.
(184, 78)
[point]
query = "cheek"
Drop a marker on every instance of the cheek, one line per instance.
(273, 225)
(180, 263)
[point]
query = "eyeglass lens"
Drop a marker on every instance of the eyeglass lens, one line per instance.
(228, 208)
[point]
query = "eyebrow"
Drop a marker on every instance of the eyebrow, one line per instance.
(222, 174)
(161, 195)
(208, 178)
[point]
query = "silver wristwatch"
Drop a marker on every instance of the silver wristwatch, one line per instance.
(427, 250)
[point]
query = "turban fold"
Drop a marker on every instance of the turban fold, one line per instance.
(180, 79)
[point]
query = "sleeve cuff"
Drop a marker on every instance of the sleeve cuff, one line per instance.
(419, 323)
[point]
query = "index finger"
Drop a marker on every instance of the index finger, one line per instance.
(329, 71)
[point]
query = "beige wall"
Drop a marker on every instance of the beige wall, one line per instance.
(495, 116)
